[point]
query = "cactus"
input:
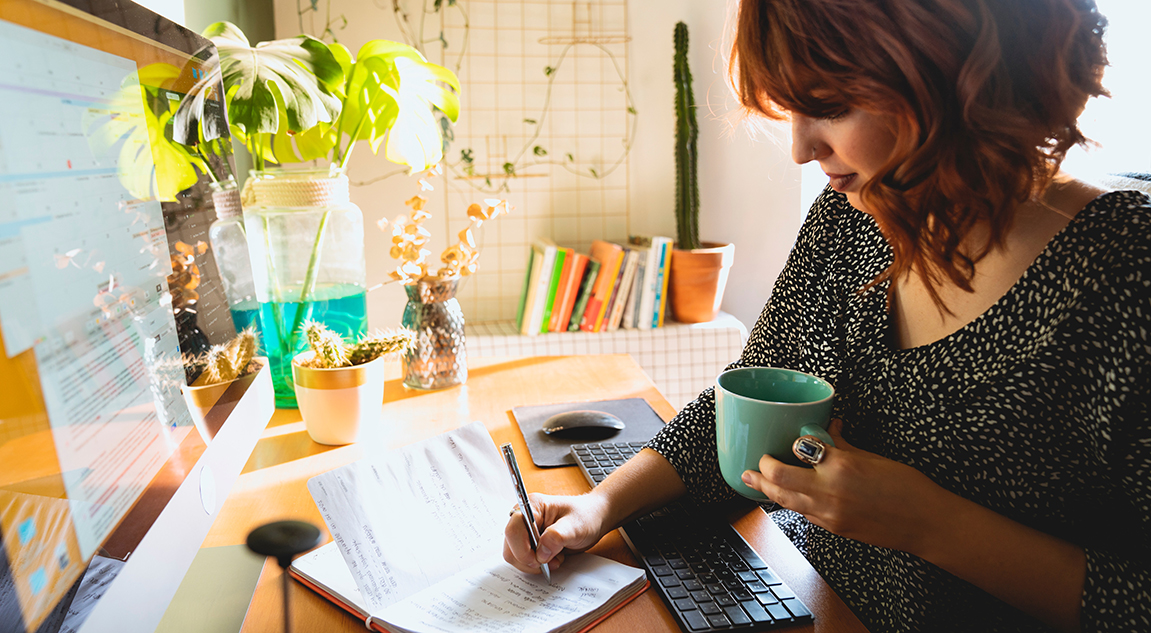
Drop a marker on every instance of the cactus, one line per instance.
(381, 342)
(330, 350)
(219, 366)
(229, 361)
(242, 349)
(686, 148)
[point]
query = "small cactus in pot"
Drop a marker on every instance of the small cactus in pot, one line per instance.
(339, 389)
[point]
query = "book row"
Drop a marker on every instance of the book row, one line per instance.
(613, 286)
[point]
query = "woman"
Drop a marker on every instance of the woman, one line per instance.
(984, 318)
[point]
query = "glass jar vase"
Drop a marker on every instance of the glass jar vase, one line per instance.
(439, 358)
(306, 244)
(229, 240)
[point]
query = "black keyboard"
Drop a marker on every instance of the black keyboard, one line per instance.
(709, 577)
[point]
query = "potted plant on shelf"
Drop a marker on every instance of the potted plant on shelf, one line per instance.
(698, 269)
(340, 386)
(300, 100)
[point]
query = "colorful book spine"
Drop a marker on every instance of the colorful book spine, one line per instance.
(587, 286)
(633, 301)
(543, 282)
(661, 287)
(623, 291)
(527, 307)
(611, 256)
(553, 286)
(569, 291)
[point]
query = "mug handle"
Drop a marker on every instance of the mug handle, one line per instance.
(817, 431)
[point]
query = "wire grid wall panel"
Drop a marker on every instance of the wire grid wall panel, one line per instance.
(681, 359)
(546, 122)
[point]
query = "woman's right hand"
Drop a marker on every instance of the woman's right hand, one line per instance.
(566, 524)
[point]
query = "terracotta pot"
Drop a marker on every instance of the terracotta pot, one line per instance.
(698, 277)
(337, 404)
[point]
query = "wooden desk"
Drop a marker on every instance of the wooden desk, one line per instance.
(272, 485)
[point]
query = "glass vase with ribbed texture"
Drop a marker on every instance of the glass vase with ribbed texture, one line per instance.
(306, 242)
(439, 358)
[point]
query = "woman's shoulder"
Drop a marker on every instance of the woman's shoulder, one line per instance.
(1117, 222)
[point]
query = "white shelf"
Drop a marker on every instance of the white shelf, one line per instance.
(681, 359)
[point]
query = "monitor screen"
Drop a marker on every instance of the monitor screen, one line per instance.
(107, 287)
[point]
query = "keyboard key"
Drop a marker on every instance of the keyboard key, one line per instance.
(718, 621)
(695, 620)
(778, 612)
(743, 594)
(595, 471)
(755, 611)
(768, 577)
(797, 608)
(692, 585)
(676, 592)
(724, 601)
(701, 596)
(756, 587)
(654, 560)
(710, 608)
(782, 592)
(685, 604)
(672, 581)
(684, 574)
(749, 576)
(716, 589)
(677, 563)
(661, 570)
(736, 615)
(766, 598)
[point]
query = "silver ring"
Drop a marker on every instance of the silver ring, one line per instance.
(810, 450)
(515, 509)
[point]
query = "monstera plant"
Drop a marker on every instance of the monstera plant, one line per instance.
(299, 99)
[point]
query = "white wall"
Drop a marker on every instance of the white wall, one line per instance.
(749, 187)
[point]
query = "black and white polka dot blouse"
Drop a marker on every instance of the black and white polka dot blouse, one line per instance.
(1037, 409)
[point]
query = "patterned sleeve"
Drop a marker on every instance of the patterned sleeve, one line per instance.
(688, 441)
(1117, 586)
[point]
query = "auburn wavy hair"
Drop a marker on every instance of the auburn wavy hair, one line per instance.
(986, 94)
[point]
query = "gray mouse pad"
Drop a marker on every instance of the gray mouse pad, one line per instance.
(547, 451)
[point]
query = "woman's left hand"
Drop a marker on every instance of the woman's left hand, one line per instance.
(856, 494)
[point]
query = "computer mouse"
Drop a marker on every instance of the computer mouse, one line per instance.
(583, 425)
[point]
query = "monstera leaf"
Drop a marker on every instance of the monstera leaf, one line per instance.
(389, 93)
(290, 76)
(133, 127)
(416, 138)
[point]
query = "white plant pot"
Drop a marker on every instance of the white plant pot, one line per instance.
(201, 397)
(337, 404)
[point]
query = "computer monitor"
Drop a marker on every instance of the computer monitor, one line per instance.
(106, 488)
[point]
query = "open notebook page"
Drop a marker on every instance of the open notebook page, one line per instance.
(407, 519)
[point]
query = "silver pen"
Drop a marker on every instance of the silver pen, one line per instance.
(525, 506)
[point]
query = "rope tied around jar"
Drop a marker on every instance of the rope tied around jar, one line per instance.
(297, 191)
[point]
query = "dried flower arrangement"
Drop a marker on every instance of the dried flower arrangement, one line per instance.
(227, 361)
(409, 237)
(331, 351)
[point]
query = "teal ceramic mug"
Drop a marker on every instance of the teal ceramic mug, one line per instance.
(763, 410)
